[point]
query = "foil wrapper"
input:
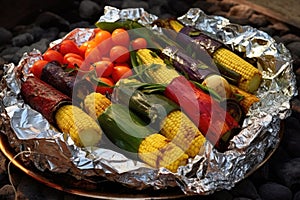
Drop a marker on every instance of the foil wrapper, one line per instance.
(48, 149)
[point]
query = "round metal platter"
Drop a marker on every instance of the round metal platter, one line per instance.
(102, 189)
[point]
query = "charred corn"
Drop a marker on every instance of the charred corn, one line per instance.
(158, 71)
(83, 130)
(250, 76)
(247, 99)
(183, 132)
(95, 104)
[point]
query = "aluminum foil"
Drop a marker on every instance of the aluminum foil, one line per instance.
(205, 174)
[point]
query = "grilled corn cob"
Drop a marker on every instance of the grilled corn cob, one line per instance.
(130, 133)
(250, 76)
(183, 132)
(83, 130)
(162, 73)
(248, 99)
(95, 104)
(157, 151)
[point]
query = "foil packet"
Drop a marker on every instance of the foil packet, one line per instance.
(49, 150)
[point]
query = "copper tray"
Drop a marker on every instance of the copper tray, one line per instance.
(102, 189)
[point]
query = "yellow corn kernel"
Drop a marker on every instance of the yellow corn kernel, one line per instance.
(157, 151)
(183, 132)
(250, 76)
(160, 73)
(248, 99)
(95, 104)
(83, 130)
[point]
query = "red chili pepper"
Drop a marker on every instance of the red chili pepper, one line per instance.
(212, 120)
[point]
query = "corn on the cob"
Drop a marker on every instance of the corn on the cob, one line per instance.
(95, 104)
(250, 76)
(161, 74)
(83, 130)
(158, 151)
(248, 99)
(126, 130)
(183, 132)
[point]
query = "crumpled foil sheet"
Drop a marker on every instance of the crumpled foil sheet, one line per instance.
(205, 174)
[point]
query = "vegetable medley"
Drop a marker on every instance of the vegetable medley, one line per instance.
(158, 97)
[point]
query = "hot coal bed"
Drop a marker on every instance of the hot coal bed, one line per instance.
(36, 26)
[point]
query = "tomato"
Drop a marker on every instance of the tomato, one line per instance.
(121, 72)
(105, 58)
(139, 43)
(96, 30)
(103, 68)
(90, 46)
(52, 55)
(120, 37)
(105, 89)
(69, 46)
(73, 62)
(37, 67)
(119, 54)
(102, 36)
(83, 47)
(71, 55)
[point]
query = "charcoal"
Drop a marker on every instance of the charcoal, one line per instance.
(275, 191)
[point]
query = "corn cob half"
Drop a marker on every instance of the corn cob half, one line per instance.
(183, 132)
(161, 73)
(157, 151)
(83, 130)
(250, 76)
(248, 99)
(95, 104)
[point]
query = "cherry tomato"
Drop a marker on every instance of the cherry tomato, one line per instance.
(70, 55)
(73, 62)
(103, 68)
(119, 54)
(83, 47)
(120, 37)
(139, 43)
(105, 58)
(69, 46)
(104, 47)
(121, 72)
(105, 89)
(102, 36)
(37, 67)
(52, 55)
(96, 30)
(90, 46)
